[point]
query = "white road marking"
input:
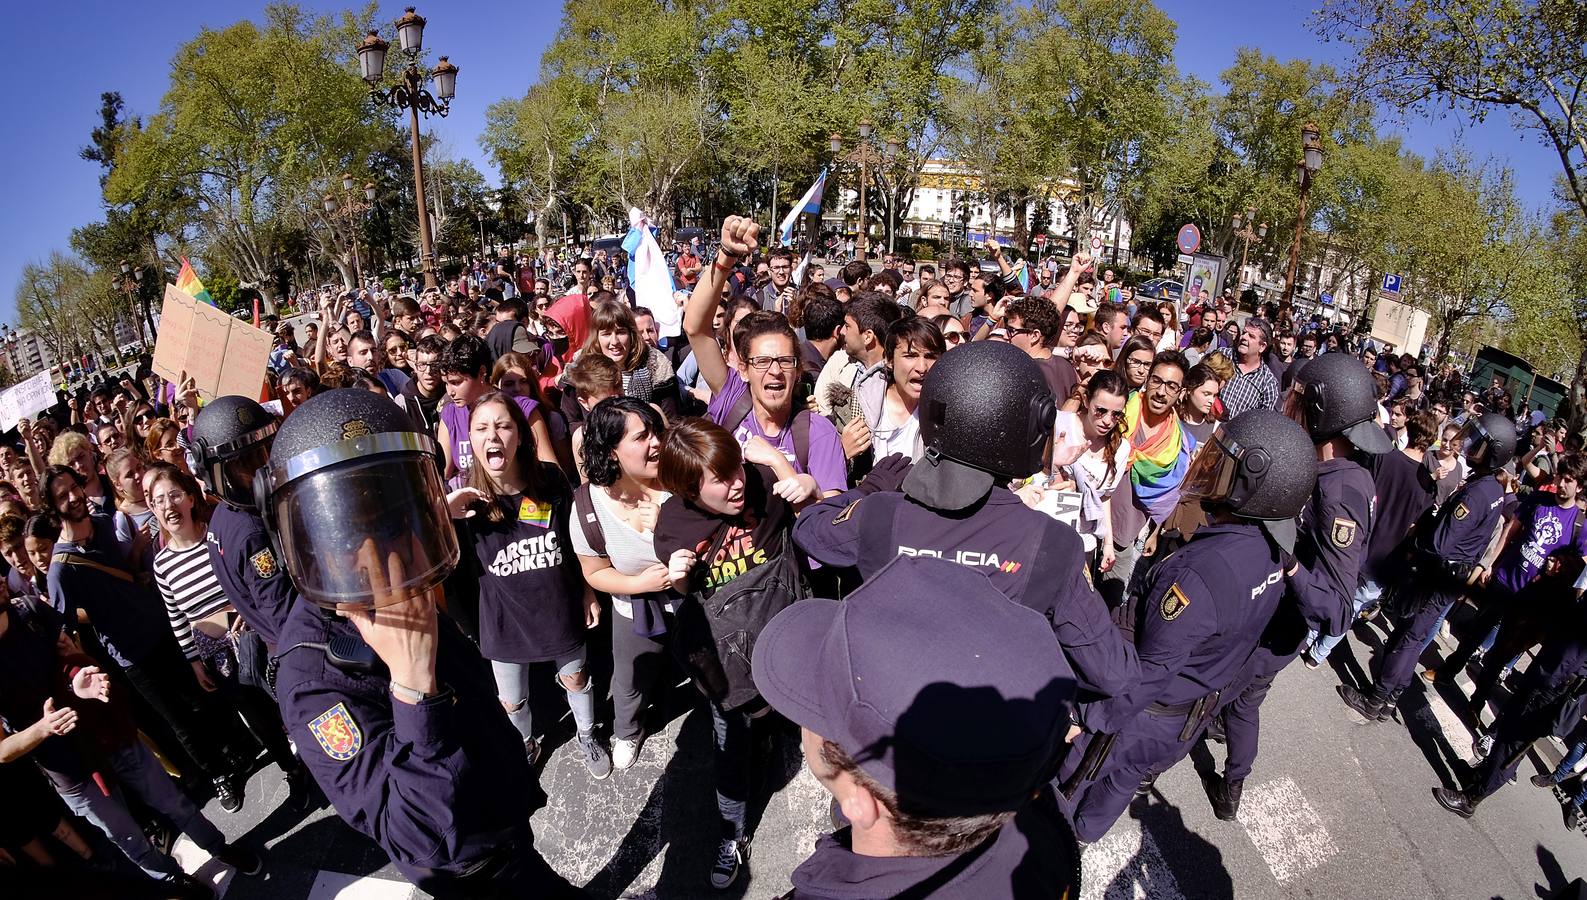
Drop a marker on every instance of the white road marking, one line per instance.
(341, 886)
(1126, 865)
(1285, 829)
(196, 862)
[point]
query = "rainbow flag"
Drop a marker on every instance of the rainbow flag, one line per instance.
(1158, 460)
(187, 282)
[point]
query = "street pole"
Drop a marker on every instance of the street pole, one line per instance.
(410, 94)
(1310, 164)
(863, 230)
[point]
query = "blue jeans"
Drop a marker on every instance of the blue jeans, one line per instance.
(1368, 594)
(1566, 765)
(512, 686)
(139, 772)
(734, 754)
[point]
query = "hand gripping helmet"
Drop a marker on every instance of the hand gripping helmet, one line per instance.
(1261, 466)
(354, 502)
(985, 414)
(231, 438)
(1487, 442)
(1335, 395)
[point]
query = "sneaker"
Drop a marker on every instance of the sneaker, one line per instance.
(531, 749)
(1311, 662)
(1482, 746)
(625, 752)
(595, 757)
(730, 857)
(229, 793)
(244, 859)
(1543, 779)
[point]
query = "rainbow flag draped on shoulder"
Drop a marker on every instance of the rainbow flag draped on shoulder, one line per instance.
(187, 282)
(1159, 458)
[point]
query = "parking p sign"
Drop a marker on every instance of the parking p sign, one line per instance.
(1391, 284)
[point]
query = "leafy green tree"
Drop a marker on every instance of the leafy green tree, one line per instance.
(257, 120)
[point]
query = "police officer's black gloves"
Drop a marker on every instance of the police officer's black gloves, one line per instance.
(886, 475)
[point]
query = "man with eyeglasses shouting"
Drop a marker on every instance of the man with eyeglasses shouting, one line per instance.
(778, 294)
(756, 399)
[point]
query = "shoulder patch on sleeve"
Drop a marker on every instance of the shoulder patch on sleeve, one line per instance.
(264, 563)
(1461, 511)
(1174, 603)
(848, 511)
(1343, 533)
(337, 733)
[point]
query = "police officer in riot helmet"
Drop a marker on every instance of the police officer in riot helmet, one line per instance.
(985, 417)
(232, 438)
(1444, 561)
(1201, 614)
(1333, 396)
(394, 709)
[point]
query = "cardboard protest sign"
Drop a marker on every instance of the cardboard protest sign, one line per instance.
(32, 396)
(221, 353)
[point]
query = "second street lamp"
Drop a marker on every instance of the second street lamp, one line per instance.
(1246, 235)
(865, 156)
(1310, 164)
(410, 94)
(351, 211)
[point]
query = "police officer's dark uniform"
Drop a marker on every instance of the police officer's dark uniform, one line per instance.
(1203, 610)
(438, 780)
(882, 679)
(1443, 561)
(1551, 699)
(985, 415)
(1334, 398)
(232, 438)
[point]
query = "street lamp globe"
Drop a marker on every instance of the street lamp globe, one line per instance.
(865, 128)
(369, 192)
(1261, 232)
(1237, 221)
(372, 57)
(892, 148)
(1311, 146)
(330, 203)
(126, 267)
(410, 32)
(137, 274)
(347, 182)
(835, 142)
(445, 76)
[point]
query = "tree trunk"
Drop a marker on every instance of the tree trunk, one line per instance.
(1578, 393)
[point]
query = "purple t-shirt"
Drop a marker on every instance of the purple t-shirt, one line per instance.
(1545, 526)
(827, 465)
(456, 420)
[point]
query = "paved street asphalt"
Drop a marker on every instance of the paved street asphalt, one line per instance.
(1336, 808)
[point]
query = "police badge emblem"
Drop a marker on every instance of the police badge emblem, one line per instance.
(337, 733)
(264, 563)
(1461, 511)
(1174, 603)
(1344, 533)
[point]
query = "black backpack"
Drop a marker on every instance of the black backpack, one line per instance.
(716, 633)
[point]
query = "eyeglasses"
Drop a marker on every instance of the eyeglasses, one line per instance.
(953, 337)
(1016, 332)
(1106, 415)
(140, 418)
(1139, 363)
(1157, 382)
(170, 499)
(1076, 325)
(763, 363)
(427, 366)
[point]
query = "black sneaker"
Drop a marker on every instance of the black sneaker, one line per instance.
(731, 855)
(229, 793)
(187, 887)
(531, 750)
(244, 859)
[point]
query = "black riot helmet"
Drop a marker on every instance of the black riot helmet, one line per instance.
(353, 500)
(1487, 442)
(1261, 466)
(1335, 395)
(231, 438)
(985, 414)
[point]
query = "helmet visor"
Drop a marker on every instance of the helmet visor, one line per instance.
(1212, 474)
(1472, 440)
(366, 533)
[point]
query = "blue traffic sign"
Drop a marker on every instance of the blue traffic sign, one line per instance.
(1391, 284)
(1327, 299)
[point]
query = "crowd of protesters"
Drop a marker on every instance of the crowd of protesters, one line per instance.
(590, 458)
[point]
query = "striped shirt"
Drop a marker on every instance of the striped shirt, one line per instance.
(190, 590)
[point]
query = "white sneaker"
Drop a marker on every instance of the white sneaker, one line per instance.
(625, 752)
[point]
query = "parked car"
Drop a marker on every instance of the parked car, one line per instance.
(1161, 289)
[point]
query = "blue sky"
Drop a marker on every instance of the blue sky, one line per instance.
(62, 57)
